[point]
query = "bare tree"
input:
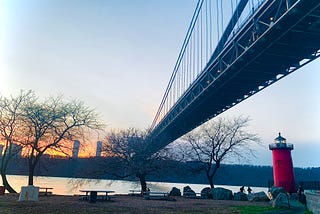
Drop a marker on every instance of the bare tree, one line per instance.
(53, 124)
(11, 112)
(126, 149)
(217, 141)
(41, 126)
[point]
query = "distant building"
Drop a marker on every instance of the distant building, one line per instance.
(75, 151)
(16, 149)
(99, 149)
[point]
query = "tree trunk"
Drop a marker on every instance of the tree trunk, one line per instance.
(6, 184)
(143, 183)
(31, 172)
(33, 160)
(4, 165)
(210, 179)
(211, 174)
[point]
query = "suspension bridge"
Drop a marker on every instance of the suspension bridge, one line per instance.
(232, 50)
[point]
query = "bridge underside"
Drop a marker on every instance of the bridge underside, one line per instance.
(261, 53)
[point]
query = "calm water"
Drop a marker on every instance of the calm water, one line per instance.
(71, 186)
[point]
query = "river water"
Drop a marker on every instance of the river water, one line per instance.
(71, 186)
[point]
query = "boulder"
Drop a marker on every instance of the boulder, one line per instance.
(281, 201)
(206, 192)
(220, 193)
(302, 199)
(175, 192)
(259, 196)
(188, 192)
(275, 191)
(240, 196)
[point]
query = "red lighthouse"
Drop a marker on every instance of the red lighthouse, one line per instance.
(282, 164)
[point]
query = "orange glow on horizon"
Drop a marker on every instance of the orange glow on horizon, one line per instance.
(86, 150)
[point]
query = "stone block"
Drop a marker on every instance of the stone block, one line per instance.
(313, 201)
(29, 193)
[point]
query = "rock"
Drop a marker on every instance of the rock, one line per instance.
(240, 196)
(175, 192)
(206, 192)
(188, 192)
(302, 199)
(221, 194)
(259, 196)
(281, 201)
(275, 191)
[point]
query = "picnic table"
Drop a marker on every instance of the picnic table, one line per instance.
(92, 195)
(46, 192)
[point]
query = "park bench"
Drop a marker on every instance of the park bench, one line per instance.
(156, 195)
(44, 191)
(196, 195)
(135, 192)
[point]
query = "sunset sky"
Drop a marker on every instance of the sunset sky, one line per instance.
(117, 56)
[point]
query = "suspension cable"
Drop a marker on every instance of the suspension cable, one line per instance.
(185, 42)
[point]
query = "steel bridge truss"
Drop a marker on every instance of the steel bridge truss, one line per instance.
(279, 38)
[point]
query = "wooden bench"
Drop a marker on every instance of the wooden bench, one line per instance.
(156, 196)
(44, 191)
(135, 192)
(196, 195)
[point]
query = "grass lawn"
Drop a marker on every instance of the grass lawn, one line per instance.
(58, 204)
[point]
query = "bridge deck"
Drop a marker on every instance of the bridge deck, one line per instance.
(246, 65)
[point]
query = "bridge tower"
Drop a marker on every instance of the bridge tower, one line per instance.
(283, 175)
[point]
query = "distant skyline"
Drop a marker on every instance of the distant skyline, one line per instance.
(117, 56)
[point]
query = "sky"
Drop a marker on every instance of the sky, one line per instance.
(118, 56)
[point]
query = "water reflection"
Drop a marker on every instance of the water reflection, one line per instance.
(71, 186)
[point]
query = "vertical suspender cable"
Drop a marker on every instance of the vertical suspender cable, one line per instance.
(210, 24)
(201, 39)
(218, 29)
(221, 11)
(238, 14)
(173, 75)
(206, 27)
(232, 13)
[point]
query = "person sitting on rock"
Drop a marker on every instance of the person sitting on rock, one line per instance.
(249, 190)
(300, 190)
(242, 189)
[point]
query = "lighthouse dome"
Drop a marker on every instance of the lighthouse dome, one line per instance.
(280, 139)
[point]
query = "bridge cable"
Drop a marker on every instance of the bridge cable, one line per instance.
(234, 19)
(178, 86)
(182, 51)
(218, 29)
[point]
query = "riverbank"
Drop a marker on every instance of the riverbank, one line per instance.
(126, 204)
